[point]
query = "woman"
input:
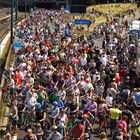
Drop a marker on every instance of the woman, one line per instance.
(64, 120)
(92, 107)
(102, 111)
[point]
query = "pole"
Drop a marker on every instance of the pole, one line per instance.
(25, 8)
(16, 10)
(12, 7)
(30, 6)
(0, 13)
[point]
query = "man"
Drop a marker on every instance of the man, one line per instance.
(136, 134)
(137, 96)
(78, 131)
(60, 102)
(73, 107)
(30, 135)
(14, 111)
(55, 135)
(55, 111)
(114, 116)
(30, 101)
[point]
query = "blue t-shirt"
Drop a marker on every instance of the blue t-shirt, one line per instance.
(60, 104)
(137, 97)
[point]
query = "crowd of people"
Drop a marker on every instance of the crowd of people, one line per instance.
(63, 86)
(5, 10)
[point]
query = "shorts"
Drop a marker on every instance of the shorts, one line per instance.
(15, 121)
(113, 123)
(12, 90)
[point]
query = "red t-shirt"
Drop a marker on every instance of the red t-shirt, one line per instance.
(78, 130)
(18, 78)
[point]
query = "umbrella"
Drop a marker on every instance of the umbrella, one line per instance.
(75, 61)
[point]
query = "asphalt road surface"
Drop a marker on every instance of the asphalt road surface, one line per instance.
(95, 135)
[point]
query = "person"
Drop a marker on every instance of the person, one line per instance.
(40, 114)
(78, 131)
(118, 134)
(123, 122)
(47, 58)
(14, 111)
(30, 135)
(30, 101)
(102, 110)
(60, 102)
(136, 134)
(73, 107)
(55, 135)
(109, 100)
(60, 126)
(38, 131)
(137, 96)
(7, 136)
(86, 123)
(103, 136)
(92, 107)
(55, 111)
(114, 116)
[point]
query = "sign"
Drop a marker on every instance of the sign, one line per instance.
(83, 22)
(67, 8)
(18, 44)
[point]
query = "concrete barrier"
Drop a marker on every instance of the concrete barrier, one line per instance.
(4, 43)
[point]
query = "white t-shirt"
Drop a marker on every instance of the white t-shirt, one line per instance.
(104, 61)
(30, 101)
(109, 101)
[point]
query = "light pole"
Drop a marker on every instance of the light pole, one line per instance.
(25, 7)
(12, 7)
(16, 10)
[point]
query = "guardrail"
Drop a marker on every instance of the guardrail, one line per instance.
(4, 121)
(5, 31)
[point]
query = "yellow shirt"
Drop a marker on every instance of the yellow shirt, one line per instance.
(114, 113)
(137, 131)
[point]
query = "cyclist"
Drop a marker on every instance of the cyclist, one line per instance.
(60, 126)
(136, 134)
(55, 111)
(40, 114)
(86, 123)
(30, 103)
(14, 111)
(78, 131)
(30, 135)
(92, 107)
(114, 116)
(38, 131)
(102, 110)
(55, 135)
